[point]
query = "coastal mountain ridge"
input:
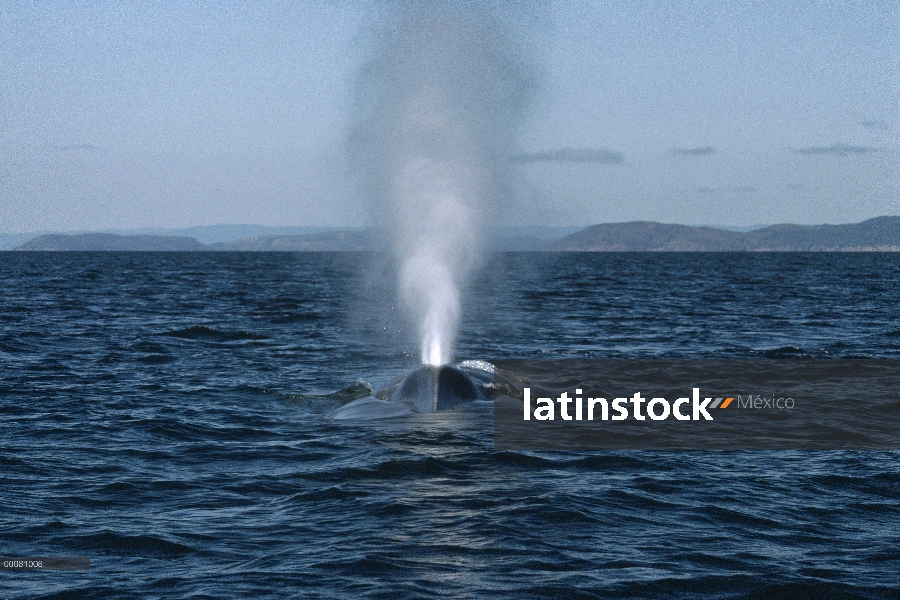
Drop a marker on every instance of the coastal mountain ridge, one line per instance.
(877, 234)
(880, 234)
(111, 242)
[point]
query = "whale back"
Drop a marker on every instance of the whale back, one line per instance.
(430, 388)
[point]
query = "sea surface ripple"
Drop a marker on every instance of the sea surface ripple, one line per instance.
(166, 415)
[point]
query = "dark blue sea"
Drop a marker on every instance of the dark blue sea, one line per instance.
(166, 415)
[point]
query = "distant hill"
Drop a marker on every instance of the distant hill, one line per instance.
(360, 240)
(878, 234)
(92, 242)
(211, 234)
(368, 240)
(205, 234)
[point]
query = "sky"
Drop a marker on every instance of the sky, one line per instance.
(166, 114)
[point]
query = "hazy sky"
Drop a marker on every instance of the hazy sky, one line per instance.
(139, 114)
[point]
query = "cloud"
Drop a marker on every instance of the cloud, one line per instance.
(701, 151)
(836, 150)
(876, 124)
(587, 155)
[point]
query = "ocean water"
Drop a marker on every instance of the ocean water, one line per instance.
(167, 416)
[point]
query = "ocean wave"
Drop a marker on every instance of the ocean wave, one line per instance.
(204, 332)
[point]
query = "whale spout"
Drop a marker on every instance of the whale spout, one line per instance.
(432, 388)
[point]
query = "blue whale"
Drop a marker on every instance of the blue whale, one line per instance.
(428, 389)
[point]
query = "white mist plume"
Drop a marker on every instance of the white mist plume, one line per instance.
(437, 109)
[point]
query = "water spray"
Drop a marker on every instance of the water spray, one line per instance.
(437, 108)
